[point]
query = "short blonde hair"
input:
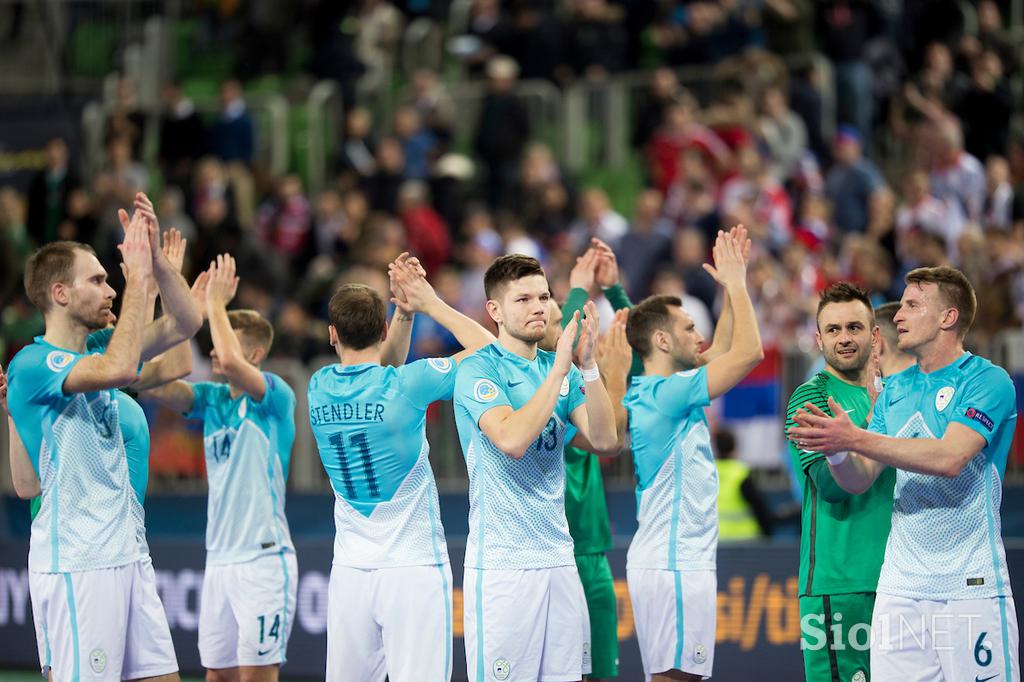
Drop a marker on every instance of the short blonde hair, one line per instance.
(253, 327)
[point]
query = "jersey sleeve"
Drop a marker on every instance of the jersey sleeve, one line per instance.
(279, 398)
(98, 341)
(577, 388)
(428, 380)
(988, 399)
(683, 391)
(203, 395)
(478, 387)
(807, 393)
(37, 376)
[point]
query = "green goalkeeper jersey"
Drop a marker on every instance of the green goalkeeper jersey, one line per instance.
(843, 536)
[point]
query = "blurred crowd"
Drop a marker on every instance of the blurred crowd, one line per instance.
(925, 166)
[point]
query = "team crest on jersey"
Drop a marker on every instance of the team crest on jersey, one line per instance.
(98, 660)
(442, 365)
(502, 669)
(485, 391)
(700, 653)
(243, 408)
(943, 397)
(859, 676)
(564, 390)
(57, 360)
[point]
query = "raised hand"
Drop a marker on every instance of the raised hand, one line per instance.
(222, 282)
(198, 292)
(135, 249)
(606, 273)
(587, 345)
(415, 294)
(614, 354)
(174, 248)
(816, 431)
(740, 234)
(563, 349)
(730, 268)
(583, 274)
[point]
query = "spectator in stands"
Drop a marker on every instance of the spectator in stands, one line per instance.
(647, 245)
(595, 40)
(378, 36)
(425, 231)
(757, 200)
(233, 137)
(668, 282)
(503, 130)
(284, 223)
(663, 92)
(923, 212)
(382, 187)
(434, 104)
(171, 211)
(789, 26)
(783, 132)
(852, 183)
(997, 210)
(15, 247)
(48, 193)
(479, 44)
(182, 136)
(80, 224)
(596, 218)
(534, 39)
(356, 161)
(126, 119)
(210, 182)
(679, 133)
(689, 253)
(985, 107)
(844, 29)
(955, 174)
(419, 144)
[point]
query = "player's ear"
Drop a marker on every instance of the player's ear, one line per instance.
(257, 355)
(494, 310)
(661, 341)
(332, 334)
(59, 293)
(817, 337)
(950, 317)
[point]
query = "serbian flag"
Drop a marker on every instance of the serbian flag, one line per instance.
(753, 411)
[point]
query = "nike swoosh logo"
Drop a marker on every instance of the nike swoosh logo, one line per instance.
(896, 400)
(513, 384)
(264, 653)
(984, 679)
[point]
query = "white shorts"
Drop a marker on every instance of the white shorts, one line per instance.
(965, 639)
(526, 625)
(246, 612)
(675, 614)
(106, 624)
(393, 622)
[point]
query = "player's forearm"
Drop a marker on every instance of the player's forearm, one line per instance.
(395, 349)
(722, 339)
(574, 302)
(466, 330)
(601, 418)
(617, 297)
(125, 348)
(177, 301)
(931, 456)
(225, 341)
(854, 474)
(23, 475)
(522, 427)
(616, 388)
(746, 338)
(174, 364)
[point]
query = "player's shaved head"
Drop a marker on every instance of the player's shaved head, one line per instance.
(648, 316)
(358, 316)
(49, 265)
(508, 269)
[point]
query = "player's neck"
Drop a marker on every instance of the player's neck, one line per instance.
(64, 333)
(895, 364)
(660, 365)
(852, 378)
(938, 353)
(350, 356)
(524, 349)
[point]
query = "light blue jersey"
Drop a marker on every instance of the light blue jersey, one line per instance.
(248, 446)
(946, 541)
(89, 517)
(677, 482)
(516, 506)
(370, 427)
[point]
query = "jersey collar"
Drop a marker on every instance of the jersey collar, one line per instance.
(351, 370)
